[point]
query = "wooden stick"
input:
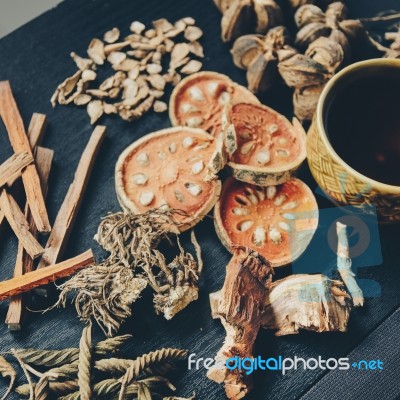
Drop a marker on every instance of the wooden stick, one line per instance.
(19, 141)
(344, 264)
(70, 207)
(12, 168)
(36, 129)
(19, 225)
(24, 262)
(31, 280)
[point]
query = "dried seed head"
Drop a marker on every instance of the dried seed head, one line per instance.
(307, 14)
(326, 52)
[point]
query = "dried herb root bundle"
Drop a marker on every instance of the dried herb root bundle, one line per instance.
(107, 291)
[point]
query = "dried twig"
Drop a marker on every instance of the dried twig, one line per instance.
(19, 141)
(37, 278)
(11, 169)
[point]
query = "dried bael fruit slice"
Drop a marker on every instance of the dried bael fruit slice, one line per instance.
(270, 149)
(199, 99)
(276, 221)
(167, 169)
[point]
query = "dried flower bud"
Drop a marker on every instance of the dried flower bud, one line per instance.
(240, 17)
(305, 101)
(339, 37)
(335, 13)
(310, 32)
(262, 72)
(326, 52)
(245, 49)
(307, 14)
(278, 37)
(301, 71)
(285, 53)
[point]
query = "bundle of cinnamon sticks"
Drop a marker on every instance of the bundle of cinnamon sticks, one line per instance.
(32, 164)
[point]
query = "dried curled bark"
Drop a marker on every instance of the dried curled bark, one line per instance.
(240, 308)
(308, 302)
(241, 16)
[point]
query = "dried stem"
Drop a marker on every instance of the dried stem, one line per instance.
(28, 377)
(6, 370)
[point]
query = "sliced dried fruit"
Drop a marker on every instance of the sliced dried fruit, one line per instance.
(270, 148)
(276, 221)
(199, 99)
(167, 169)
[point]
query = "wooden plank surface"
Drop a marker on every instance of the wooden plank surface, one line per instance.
(39, 65)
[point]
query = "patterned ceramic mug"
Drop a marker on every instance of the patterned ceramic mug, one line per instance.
(342, 183)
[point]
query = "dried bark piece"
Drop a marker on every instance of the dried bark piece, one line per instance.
(278, 221)
(19, 225)
(158, 157)
(16, 132)
(199, 99)
(260, 130)
(306, 302)
(65, 88)
(69, 209)
(82, 63)
(96, 51)
(82, 99)
(24, 263)
(32, 280)
(240, 309)
(11, 169)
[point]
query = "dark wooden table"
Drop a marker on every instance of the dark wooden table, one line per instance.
(35, 58)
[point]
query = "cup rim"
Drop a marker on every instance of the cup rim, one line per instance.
(376, 62)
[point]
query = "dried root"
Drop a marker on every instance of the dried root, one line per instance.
(107, 291)
(240, 308)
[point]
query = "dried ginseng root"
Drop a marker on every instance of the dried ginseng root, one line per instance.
(199, 100)
(277, 221)
(167, 169)
(240, 308)
(269, 148)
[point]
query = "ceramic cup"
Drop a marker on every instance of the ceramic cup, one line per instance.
(343, 184)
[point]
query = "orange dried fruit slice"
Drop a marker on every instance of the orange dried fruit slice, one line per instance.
(269, 148)
(276, 221)
(199, 100)
(167, 168)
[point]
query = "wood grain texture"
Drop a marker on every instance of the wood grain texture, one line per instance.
(40, 64)
(69, 210)
(19, 141)
(11, 169)
(19, 225)
(24, 263)
(33, 279)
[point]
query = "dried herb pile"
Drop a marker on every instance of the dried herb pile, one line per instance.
(143, 63)
(321, 46)
(92, 371)
(106, 291)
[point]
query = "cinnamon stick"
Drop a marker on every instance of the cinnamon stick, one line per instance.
(31, 280)
(11, 169)
(36, 129)
(24, 262)
(19, 141)
(67, 214)
(19, 225)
